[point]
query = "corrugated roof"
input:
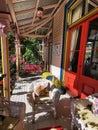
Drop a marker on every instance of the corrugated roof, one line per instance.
(24, 16)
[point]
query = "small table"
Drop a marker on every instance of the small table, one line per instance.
(82, 116)
(9, 123)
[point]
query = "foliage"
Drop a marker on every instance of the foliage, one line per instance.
(30, 50)
(12, 63)
(11, 40)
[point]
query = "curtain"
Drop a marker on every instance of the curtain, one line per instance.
(75, 34)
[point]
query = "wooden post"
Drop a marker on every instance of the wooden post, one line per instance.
(4, 27)
(5, 62)
(17, 47)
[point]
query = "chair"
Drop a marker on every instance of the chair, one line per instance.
(14, 109)
(76, 104)
(43, 102)
(40, 104)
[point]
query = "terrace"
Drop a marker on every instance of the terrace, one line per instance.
(69, 110)
(25, 21)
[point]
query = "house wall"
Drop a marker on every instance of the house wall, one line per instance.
(57, 42)
(45, 56)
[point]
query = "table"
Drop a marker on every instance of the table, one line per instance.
(10, 123)
(82, 115)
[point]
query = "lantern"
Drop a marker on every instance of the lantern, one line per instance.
(40, 12)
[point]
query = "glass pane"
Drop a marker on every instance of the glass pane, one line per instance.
(74, 51)
(77, 12)
(91, 54)
(90, 7)
(92, 4)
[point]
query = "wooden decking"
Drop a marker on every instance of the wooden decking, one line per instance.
(43, 119)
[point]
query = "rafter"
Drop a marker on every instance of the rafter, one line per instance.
(25, 24)
(46, 20)
(22, 30)
(49, 6)
(39, 25)
(56, 7)
(24, 20)
(33, 9)
(16, 1)
(26, 27)
(33, 36)
(10, 5)
(48, 33)
(25, 11)
(35, 12)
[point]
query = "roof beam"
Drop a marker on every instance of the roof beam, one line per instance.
(10, 5)
(29, 26)
(46, 20)
(49, 6)
(22, 30)
(32, 10)
(26, 30)
(25, 12)
(38, 25)
(16, 1)
(33, 35)
(35, 12)
(24, 20)
(56, 7)
(49, 32)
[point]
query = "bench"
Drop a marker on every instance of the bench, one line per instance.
(32, 68)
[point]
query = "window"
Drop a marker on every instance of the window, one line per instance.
(80, 8)
(92, 4)
(91, 52)
(76, 11)
(74, 49)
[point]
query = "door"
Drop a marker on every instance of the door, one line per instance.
(74, 38)
(89, 77)
(82, 57)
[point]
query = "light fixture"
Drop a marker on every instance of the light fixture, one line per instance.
(40, 12)
(1, 25)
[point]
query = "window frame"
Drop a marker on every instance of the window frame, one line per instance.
(85, 4)
(81, 22)
(71, 8)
